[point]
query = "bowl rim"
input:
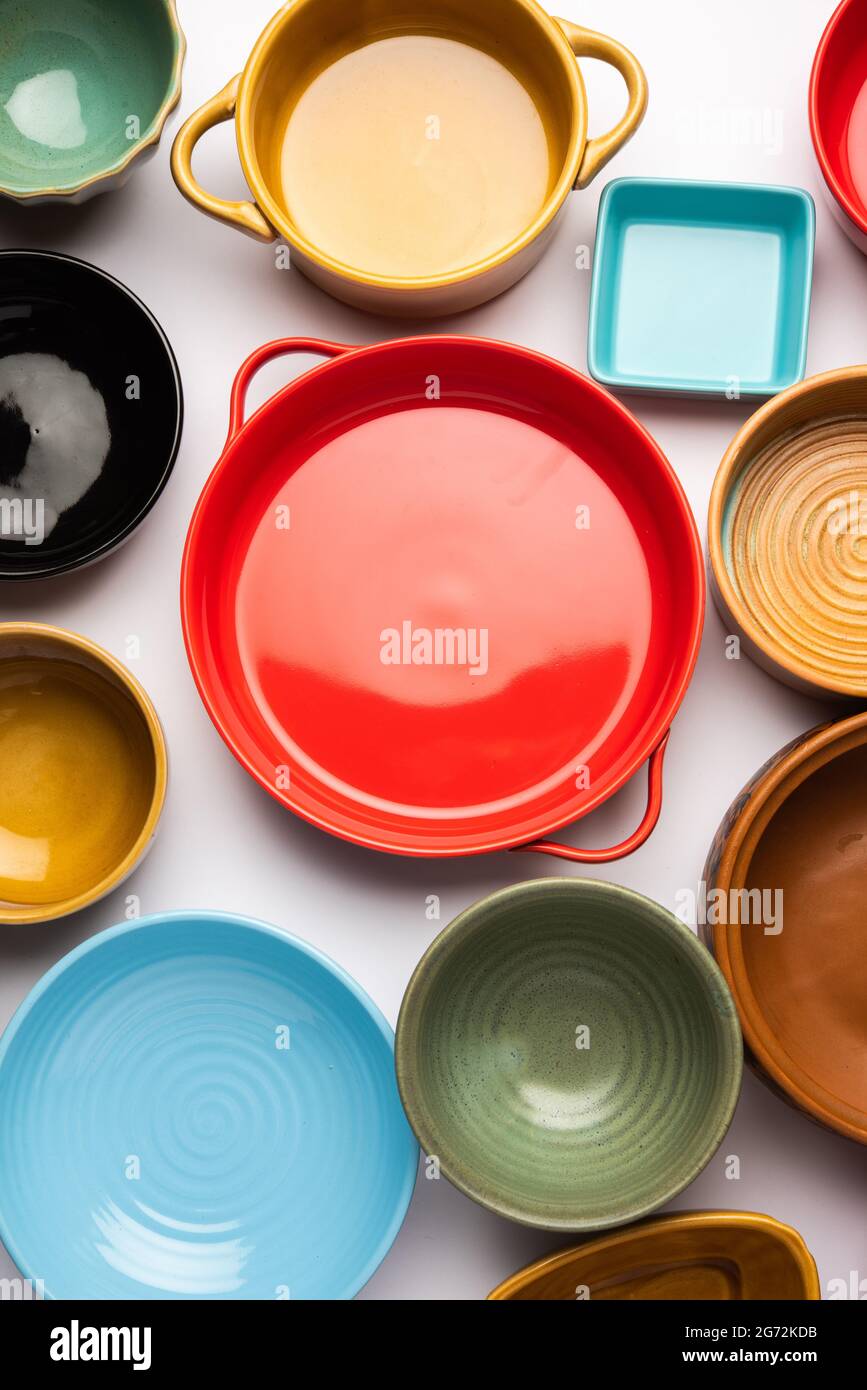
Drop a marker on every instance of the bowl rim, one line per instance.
(856, 215)
(770, 789)
(251, 83)
(786, 1236)
(31, 915)
(149, 140)
(736, 457)
(418, 991)
(120, 537)
(212, 691)
(206, 917)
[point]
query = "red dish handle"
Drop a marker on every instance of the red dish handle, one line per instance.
(281, 347)
(634, 841)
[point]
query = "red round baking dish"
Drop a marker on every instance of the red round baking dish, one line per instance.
(838, 116)
(442, 595)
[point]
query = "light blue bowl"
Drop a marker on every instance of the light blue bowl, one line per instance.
(197, 1105)
(701, 288)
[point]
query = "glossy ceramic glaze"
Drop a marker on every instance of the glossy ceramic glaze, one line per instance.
(701, 288)
(394, 82)
(787, 535)
(91, 412)
(399, 618)
(223, 1098)
(838, 116)
(86, 87)
(795, 842)
(570, 1054)
(414, 157)
(82, 772)
(706, 1255)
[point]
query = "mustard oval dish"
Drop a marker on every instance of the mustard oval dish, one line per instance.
(703, 1255)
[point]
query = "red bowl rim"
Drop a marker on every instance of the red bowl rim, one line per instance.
(855, 214)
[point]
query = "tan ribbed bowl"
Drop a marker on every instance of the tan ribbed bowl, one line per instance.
(787, 535)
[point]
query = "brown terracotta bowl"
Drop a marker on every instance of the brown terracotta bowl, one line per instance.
(797, 964)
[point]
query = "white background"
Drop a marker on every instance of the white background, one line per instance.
(225, 844)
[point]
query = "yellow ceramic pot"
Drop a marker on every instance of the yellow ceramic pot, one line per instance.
(703, 1255)
(414, 157)
(83, 772)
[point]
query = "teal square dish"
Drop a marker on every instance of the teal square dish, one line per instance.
(701, 288)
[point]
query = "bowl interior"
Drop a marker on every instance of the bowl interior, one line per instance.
(570, 1053)
(250, 1081)
(90, 413)
(804, 869)
(704, 1256)
(78, 774)
(508, 446)
(840, 108)
(790, 528)
(81, 84)
(415, 140)
(698, 286)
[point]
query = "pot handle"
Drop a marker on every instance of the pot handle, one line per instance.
(245, 216)
(585, 43)
(281, 347)
(634, 841)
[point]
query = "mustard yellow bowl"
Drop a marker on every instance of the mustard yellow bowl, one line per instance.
(83, 772)
(414, 156)
(706, 1256)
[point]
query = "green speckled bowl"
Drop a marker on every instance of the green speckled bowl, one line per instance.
(570, 1053)
(86, 87)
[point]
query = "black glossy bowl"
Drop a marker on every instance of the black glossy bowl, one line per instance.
(91, 411)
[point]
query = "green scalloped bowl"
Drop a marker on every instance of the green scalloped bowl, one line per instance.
(86, 87)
